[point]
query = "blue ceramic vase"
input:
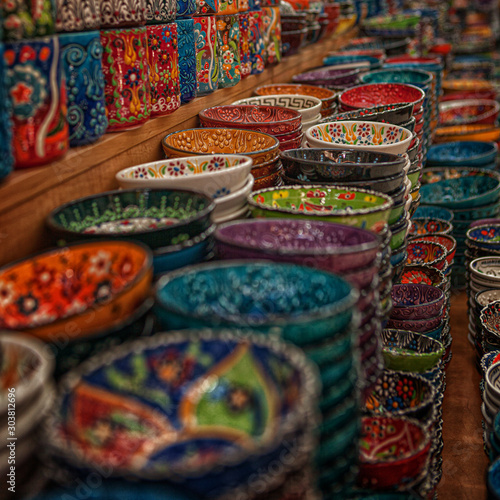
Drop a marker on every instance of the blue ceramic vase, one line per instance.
(82, 63)
(6, 158)
(187, 59)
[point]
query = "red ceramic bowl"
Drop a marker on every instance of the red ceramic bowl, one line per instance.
(406, 58)
(289, 136)
(458, 96)
(418, 114)
(426, 252)
(292, 143)
(469, 111)
(368, 95)
(446, 240)
(269, 119)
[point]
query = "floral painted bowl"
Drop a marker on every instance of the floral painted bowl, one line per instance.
(269, 119)
(81, 288)
(393, 451)
(410, 351)
(424, 252)
(415, 77)
(178, 422)
(360, 135)
(367, 95)
(155, 217)
(258, 146)
(489, 318)
(449, 243)
(485, 236)
(466, 153)
(416, 325)
(423, 274)
(390, 113)
(326, 96)
(431, 212)
(325, 245)
(353, 207)
(411, 301)
(328, 77)
(467, 112)
(474, 132)
(213, 175)
(421, 226)
(304, 304)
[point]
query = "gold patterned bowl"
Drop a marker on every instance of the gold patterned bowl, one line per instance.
(259, 146)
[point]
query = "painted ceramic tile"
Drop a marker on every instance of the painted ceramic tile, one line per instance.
(24, 19)
(82, 63)
(127, 91)
(228, 39)
(245, 59)
(207, 7)
(77, 15)
(187, 59)
(120, 13)
(6, 158)
(207, 63)
(186, 8)
(160, 11)
(35, 84)
(256, 42)
(271, 32)
(163, 69)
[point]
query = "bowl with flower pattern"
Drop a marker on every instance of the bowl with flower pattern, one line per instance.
(426, 252)
(430, 212)
(449, 243)
(412, 301)
(468, 111)
(485, 236)
(342, 204)
(466, 153)
(410, 351)
(269, 119)
(259, 146)
(360, 135)
(426, 225)
(83, 288)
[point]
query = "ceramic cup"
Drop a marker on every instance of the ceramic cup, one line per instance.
(127, 90)
(35, 84)
(187, 59)
(23, 19)
(186, 8)
(77, 15)
(82, 63)
(207, 63)
(163, 69)
(244, 48)
(6, 158)
(271, 32)
(160, 11)
(121, 13)
(256, 42)
(228, 38)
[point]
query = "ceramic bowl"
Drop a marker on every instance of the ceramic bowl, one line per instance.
(416, 325)
(424, 252)
(341, 59)
(292, 40)
(435, 174)
(309, 107)
(80, 288)
(489, 318)
(391, 47)
(155, 217)
(449, 243)
(390, 113)
(492, 383)
(305, 304)
(410, 351)
(415, 77)
(482, 222)
(269, 119)
(326, 245)
(485, 236)
(354, 207)
(412, 301)
(360, 135)
(430, 212)
(328, 77)
(367, 95)
(213, 175)
(294, 143)
(493, 478)
(466, 85)
(474, 132)
(421, 226)
(392, 450)
(233, 202)
(258, 146)
(423, 274)
(157, 414)
(326, 96)
(469, 111)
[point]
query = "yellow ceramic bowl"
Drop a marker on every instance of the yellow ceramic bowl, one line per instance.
(260, 147)
(484, 133)
(415, 192)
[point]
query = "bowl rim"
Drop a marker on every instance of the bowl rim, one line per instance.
(331, 97)
(493, 108)
(448, 225)
(428, 74)
(446, 236)
(316, 106)
(440, 298)
(469, 232)
(439, 260)
(475, 262)
(295, 115)
(247, 187)
(490, 147)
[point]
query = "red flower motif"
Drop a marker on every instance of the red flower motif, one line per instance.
(347, 196)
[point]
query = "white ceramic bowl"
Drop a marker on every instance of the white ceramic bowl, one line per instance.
(214, 175)
(308, 124)
(360, 135)
(308, 106)
(234, 202)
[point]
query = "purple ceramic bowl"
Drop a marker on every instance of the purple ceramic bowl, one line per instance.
(415, 325)
(412, 301)
(326, 245)
(482, 222)
(328, 77)
(361, 278)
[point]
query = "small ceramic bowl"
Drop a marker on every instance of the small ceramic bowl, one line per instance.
(415, 77)
(258, 146)
(213, 175)
(390, 113)
(431, 212)
(424, 252)
(410, 351)
(416, 325)
(485, 236)
(269, 119)
(489, 318)
(466, 153)
(467, 112)
(446, 240)
(423, 274)
(360, 135)
(421, 226)
(355, 207)
(412, 301)
(293, 143)
(309, 107)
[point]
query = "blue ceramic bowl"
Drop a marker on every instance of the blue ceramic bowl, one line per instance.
(467, 215)
(429, 211)
(440, 332)
(398, 255)
(462, 153)
(303, 304)
(487, 236)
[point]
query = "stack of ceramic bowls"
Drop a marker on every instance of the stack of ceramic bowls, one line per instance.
(485, 353)
(261, 148)
(491, 407)
(312, 308)
(471, 194)
(468, 112)
(175, 224)
(365, 62)
(284, 123)
(326, 96)
(224, 178)
(332, 78)
(26, 396)
(171, 408)
(463, 154)
(397, 114)
(79, 299)
(309, 107)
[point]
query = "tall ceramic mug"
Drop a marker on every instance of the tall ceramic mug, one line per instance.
(125, 69)
(207, 63)
(187, 59)
(121, 13)
(35, 85)
(77, 15)
(228, 41)
(23, 19)
(82, 63)
(163, 61)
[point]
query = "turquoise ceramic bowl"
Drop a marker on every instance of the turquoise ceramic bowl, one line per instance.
(429, 211)
(462, 153)
(417, 77)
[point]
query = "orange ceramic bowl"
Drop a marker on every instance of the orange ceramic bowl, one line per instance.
(272, 180)
(484, 133)
(266, 169)
(75, 291)
(261, 147)
(467, 85)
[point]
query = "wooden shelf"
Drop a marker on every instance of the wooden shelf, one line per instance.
(27, 196)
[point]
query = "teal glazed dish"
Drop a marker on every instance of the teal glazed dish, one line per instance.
(156, 217)
(431, 212)
(416, 77)
(462, 153)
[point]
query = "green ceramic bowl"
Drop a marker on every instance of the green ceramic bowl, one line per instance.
(397, 212)
(399, 235)
(351, 207)
(413, 176)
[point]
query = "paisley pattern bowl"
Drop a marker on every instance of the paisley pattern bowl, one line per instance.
(412, 301)
(425, 252)
(466, 153)
(449, 243)
(421, 226)
(490, 318)
(423, 274)
(416, 325)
